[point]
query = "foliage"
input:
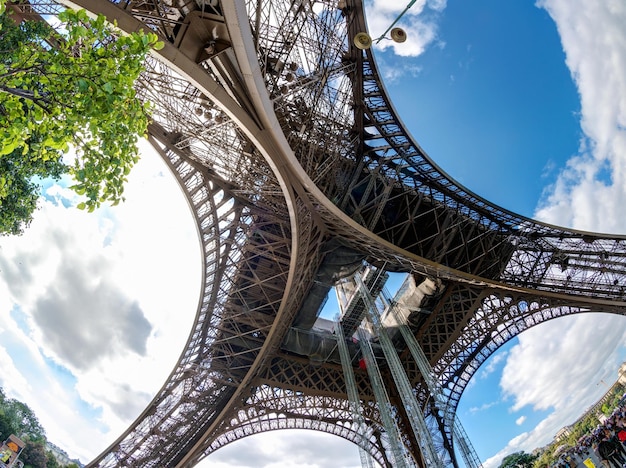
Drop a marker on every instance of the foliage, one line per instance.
(20, 200)
(20, 420)
(17, 418)
(518, 460)
(51, 461)
(34, 455)
(6, 426)
(546, 458)
(585, 426)
(613, 400)
(61, 90)
(617, 396)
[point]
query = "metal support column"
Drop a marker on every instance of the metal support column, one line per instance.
(467, 449)
(353, 396)
(398, 453)
(470, 456)
(411, 405)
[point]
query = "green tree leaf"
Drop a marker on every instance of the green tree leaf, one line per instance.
(80, 94)
(518, 460)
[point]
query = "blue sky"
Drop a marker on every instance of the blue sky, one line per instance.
(94, 307)
(492, 102)
(496, 106)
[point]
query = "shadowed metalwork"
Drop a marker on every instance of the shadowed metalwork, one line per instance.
(290, 154)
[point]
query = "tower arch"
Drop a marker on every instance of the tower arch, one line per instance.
(290, 159)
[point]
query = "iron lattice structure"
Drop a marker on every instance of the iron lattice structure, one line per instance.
(282, 137)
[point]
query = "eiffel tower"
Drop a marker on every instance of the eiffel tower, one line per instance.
(301, 177)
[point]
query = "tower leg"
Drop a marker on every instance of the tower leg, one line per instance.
(411, 405)
(468, 453)
(353, 396)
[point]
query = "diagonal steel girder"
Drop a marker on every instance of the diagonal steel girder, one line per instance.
(322, 153)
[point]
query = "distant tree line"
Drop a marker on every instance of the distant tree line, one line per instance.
(614, 399)
(18, 419)
(548, 455)
(518, 460)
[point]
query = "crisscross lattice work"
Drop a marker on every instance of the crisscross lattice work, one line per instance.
(282, 137)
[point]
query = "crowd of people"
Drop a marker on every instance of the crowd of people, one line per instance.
(605, 447)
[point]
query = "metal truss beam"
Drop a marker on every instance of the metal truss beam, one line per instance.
(282, 136)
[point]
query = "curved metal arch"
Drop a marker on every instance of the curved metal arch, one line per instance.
(266, 411)
(600, 264)
(302, 424)
(523, 314)
(499, 249)
(275, 398)
(501, 319)
(206, 373)
(475, 237)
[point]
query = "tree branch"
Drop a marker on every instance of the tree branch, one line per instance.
(29, 95)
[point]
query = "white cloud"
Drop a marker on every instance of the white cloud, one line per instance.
(519, 421)
(94, 298)
(26, 376)
(492, 365)
(558, 365)
(294, 448)
(395, 70)
(420, 23)
(591, 190)
(483, 407)
(555, 364)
